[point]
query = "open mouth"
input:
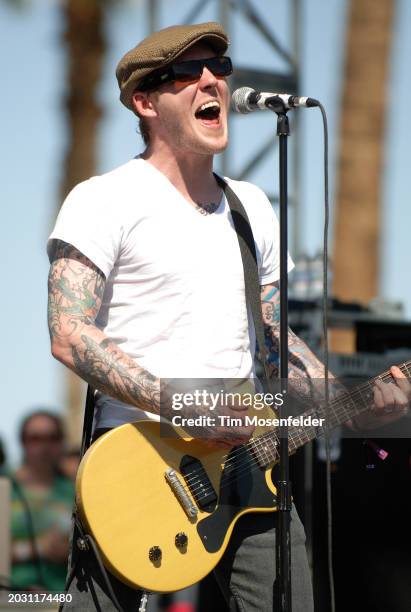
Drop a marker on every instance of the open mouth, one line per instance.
(209, 113)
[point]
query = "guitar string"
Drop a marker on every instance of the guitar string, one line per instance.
(338, 400)
(257, 444)
(358, 392)
(250, 466)
(272, 459)
(243, 467)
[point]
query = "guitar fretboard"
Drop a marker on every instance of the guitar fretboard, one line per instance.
(340, 410)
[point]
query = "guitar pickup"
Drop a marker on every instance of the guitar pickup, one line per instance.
(198, 482)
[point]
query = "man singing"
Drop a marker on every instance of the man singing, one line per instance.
(147, 282)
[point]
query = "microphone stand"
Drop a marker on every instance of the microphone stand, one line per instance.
(283, 544)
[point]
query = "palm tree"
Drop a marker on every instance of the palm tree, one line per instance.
(357, 229)
(86, 47)
(85, 44)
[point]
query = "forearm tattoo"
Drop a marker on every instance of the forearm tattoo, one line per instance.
(76, 288)
(106, 367)
(305, 370)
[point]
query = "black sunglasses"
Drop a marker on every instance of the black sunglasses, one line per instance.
(39, 437)
(190, 70)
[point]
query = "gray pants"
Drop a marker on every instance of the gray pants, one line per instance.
(246, 572)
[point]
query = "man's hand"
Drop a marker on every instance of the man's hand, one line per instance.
(391, 402)
(215, 405)
(228, 436)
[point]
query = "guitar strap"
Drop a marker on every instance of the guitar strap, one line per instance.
(88, 420)
(249, 257)
(252, 294)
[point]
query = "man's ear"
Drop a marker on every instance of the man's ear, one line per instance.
(143, 104)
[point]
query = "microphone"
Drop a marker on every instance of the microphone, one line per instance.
(245, 100)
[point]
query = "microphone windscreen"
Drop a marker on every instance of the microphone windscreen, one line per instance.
(239, 99)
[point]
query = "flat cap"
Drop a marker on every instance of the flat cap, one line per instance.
(162, 48)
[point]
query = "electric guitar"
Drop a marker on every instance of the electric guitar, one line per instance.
(162, 508)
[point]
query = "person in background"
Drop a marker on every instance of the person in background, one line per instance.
(42, 499)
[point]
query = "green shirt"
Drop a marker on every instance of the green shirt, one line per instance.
(49, 510)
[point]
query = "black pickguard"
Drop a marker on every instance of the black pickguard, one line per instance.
(243, 485)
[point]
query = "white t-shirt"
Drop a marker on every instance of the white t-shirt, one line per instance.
(174, 297)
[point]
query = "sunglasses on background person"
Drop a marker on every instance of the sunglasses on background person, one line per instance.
(37, 438)
(186, 72)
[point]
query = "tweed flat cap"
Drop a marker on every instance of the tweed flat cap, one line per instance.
(162, 48)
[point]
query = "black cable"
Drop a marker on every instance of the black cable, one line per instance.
(326, 360)
(87, 538)
(93, 545)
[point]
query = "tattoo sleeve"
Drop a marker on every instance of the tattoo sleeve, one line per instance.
(75, 292)
(305, 370)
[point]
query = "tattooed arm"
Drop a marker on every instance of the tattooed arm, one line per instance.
(75, 289)
(306, 371)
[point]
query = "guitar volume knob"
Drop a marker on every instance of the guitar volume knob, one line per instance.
(181, 540)
(154, 554)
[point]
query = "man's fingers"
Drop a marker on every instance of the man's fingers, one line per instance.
(389, 397)
(401, 400)
(378, 398)
(401, 380)
(386, 398)
(396, 372)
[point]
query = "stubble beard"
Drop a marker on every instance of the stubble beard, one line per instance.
(188, 142)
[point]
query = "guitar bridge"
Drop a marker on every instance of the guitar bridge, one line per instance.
(181, 493)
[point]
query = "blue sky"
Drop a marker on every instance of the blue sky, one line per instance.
(34, 137)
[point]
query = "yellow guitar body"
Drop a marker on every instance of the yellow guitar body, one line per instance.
(145, 536)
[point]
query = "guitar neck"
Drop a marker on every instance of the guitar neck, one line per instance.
(340, 410)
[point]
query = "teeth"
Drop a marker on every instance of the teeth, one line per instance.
(209, 105)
